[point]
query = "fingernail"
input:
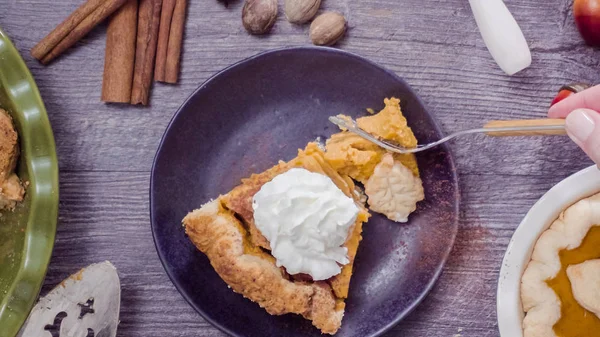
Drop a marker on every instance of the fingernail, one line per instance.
(580, 125)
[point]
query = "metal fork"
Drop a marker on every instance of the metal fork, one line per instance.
(524, 127)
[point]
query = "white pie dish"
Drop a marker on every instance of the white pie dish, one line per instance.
(574, 188)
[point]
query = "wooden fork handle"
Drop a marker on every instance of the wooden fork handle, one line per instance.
(525, 123)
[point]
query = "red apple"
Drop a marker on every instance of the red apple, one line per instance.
(569, 90)
(587, 18)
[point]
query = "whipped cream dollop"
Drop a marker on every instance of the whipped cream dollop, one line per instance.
(306, 219)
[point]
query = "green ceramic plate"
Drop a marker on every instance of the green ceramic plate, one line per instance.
(27, 234)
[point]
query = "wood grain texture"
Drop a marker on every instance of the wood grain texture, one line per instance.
(106, 151)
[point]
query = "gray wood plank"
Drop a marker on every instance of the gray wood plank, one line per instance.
(434, 45)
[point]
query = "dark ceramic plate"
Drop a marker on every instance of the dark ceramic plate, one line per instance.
(261, 110)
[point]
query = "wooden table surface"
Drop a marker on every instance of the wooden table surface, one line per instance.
(106, 151)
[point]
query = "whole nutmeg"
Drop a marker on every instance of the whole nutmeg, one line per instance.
(259, 16)
(587, 18)
(301, 11)
(327, 29)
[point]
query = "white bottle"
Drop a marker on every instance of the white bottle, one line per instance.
(502, 35)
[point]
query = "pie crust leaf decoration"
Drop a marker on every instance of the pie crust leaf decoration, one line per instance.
(585, 283)
(540, 302)
(393, 190)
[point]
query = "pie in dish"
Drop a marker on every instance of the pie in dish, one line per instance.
(275, 255)
(560, 288)
(585, 283)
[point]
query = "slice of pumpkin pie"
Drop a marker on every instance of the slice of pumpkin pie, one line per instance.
(287, 238)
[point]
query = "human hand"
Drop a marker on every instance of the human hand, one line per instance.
(582, 120)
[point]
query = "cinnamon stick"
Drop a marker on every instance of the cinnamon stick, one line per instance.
(119, 59)
(76, 26)
(145, 51)
(175, 42)
(166, 15)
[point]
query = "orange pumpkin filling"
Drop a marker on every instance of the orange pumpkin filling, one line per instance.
(575, 321)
